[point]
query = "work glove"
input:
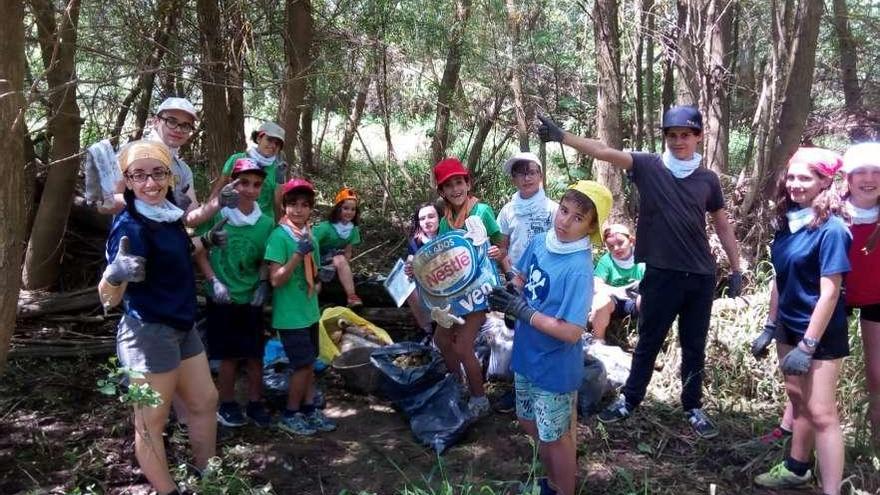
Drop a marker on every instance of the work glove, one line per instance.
(734, 284)
(125, 267)
(216, 237)
(549, 131)
(281, 173)
(511, 304)
(305, 246)
(796, 362)
(221, 293)
(181, 199)
(760, 344)
(261, 293)
(229, 197)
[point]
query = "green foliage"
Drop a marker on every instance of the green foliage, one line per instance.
(135, 394)
(226, 475)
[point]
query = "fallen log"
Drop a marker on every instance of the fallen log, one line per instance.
(33, 304)
(104, 349)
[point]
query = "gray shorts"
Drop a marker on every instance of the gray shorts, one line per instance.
(154, 347)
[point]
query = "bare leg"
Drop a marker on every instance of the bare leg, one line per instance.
(444, 338)
(226, 380)
(561, 454)
(198, 392)
(343, 271)
(802, 429)
(820, 392)
(255, 379)
(871, 346)
(464, 350)
(149, 424)
(299, 384)
(421, 316)
(600, 315)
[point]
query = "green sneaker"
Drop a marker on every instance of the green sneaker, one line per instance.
(780, 477)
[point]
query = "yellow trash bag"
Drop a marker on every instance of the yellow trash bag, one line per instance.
(327, 325)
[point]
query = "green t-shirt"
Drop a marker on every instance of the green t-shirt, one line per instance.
(485, 213)
(615, 276)
(238, 263)
(267, 193)
(329, 239)
(292, 308)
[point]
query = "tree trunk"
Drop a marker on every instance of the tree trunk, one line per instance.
(688, 33)
(354, 116)
(513, 27)
(382, 99)
(298, 38)
(449, 81)
(58, 50)
(12, 204)
(716, 85)
(651, 121)
(608, 98)
(487, 121)
(638, 60)
(667, 97)
(849, 77)
(307, 157)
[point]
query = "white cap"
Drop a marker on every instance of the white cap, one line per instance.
(861, 155)
(271, 129)
(175, 103)
(522, 156)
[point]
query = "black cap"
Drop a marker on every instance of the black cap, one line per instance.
(683, 116)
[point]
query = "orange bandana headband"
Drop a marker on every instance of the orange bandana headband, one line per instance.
(344, 194)
(138, 150)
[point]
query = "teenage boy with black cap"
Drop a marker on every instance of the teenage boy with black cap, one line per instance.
(675, 194)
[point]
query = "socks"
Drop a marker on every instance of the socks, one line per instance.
(307, 409)
(797, 467)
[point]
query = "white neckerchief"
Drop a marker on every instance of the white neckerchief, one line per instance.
(798, 219)
(555, 246)
(523, 207)
(627, 263)
(862, 215)
(291, 233)
(238, 218)
(165, 211)
(261, 160)
(343, 229)
(681, 168)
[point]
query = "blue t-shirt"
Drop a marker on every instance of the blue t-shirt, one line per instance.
(168, 293)
(556, 285)
(800, 260)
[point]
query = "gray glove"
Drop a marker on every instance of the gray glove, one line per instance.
(181, 199)
(261, 293)
(796, 362)
(229, 197)
(216, 237)
(760, 344)
(221, 293)
(734, 284)
(281, 173)
(549, 130)
(305, 246)
(511, 304)
(125, 267)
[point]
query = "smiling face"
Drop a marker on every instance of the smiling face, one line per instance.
(347, 210)
(140, 177)
(174, 127)
(248, 187)
(429, 220)
(298, 209)
(682, 142)
(455, 191)
(864, 186)
(619, 245)
(268, 146)
(527, 178)
(803, 184)
(571, 222)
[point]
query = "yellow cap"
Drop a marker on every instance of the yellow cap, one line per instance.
(601, 197)
(137, 150)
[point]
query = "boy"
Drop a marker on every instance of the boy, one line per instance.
(675, 194)
(237, 280)
(616, 276)
(293, 260)
(546, 298)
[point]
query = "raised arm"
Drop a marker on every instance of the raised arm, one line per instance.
(550, 131)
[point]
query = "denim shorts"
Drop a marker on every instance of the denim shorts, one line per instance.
(550, 411)
(154, 347)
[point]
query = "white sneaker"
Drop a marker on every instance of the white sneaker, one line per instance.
(479, 406)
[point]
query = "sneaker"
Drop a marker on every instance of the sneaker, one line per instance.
(257, 413)
(296, 424)
(319, 422)
(544, 485)
(478, 406)
(780, 477)
(506, 404)
(617, 411)
(229, 414)
(700, 422)
(777, 436)
(354, 301)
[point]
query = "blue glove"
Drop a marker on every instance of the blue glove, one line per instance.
(304, 245)
(760, 344)
(734, 284)
(281, 173)
(261, 293)
(229, 197)
(796, 362)
(511, 304)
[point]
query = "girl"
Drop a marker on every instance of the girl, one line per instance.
(616, 275)
(457, 343)
(425, 224)
(809, 256)
(149, 268)
(336, 236)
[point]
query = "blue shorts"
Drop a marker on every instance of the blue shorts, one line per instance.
(550, 411)
(300, 345)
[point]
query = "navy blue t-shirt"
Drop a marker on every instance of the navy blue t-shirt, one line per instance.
(800, 260)
(671, 228)
(168, 293)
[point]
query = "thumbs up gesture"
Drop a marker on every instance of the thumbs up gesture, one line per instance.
(229, 197)
(305, 245)
(125, 267)
(216, 237)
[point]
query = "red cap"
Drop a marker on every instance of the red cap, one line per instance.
(448, 168)
(294, 184)
(825, 162)
(243, 165)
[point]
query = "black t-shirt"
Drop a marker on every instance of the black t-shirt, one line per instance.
(671, 230)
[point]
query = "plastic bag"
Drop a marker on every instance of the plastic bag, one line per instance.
(397, 383)
(617, 362)
(593, 388)
(500, 340)
(327, 350)
(438, 416)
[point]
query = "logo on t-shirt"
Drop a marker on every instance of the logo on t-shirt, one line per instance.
(537, 283)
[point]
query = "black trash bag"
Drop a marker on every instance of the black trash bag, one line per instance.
(396, 383)
(592, 388)
(438, 416)
(276, 379)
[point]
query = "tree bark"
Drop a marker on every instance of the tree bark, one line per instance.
(650, 102)
(298, 39)
(57, 40)
(608, 98)
(449, 81)
(852, 94)
(354, 116)
(716, 85)
(12, 204)
(687, 34)
(638, 61)
(487, 121)
(513, 28)
(307, 157)
(382, 99)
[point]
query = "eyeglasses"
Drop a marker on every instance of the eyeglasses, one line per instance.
(528, 173)
(173, 123)
(158, 175)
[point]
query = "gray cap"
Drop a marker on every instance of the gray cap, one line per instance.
(176, 103)
(271, 129)
(522, 156)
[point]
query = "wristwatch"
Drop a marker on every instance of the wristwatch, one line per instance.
(809, 343)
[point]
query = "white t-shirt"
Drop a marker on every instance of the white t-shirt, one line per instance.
(521, 229)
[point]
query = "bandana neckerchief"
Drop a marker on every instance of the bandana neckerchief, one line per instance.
(798, 219)
(296, 234)
(523, 207)
(860, 216)
(555, 246)
(261, 160)
(238, 218)
(343, 229)
(456, 221)
(681, 168)
(165, 211)
(627, 263)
